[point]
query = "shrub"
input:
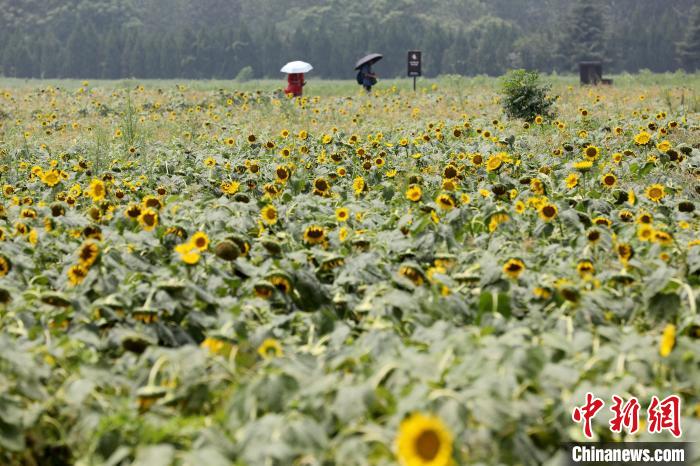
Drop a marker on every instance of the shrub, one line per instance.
(246, 74)
(525, 96)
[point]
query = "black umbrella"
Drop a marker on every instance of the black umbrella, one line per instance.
(371, 59)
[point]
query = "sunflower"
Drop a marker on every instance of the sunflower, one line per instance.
(624, 251)
(537, 186)
(314, 234)
(626, 216)
(270, 348)
(414, 193)
(642, 138)
(133, 211)
(655, 192)
(662, 237)
(493, 162)
(497, 220)
(583, 165)
(51, 178)
(548, 212)
(450, 171)
(358, 185)
(321, 187)
(513, 268)
(281, 282)
(342, 214)
(664, 146)
(668, 340)
(645, 232)
(76, 274)
(539, 120)
(88, 254)
(413, 273)
(591, 153)
(519, 207)
(608, 180)
(269, 214)
(602, 221)
(200, 240)
(282, 173)
(152, 202)
(572, 180)
(5, 266)
(189, 254)
(97, 190)
(645, 218)
(230, 187)
(585, 268)
(445, 202)
(217, 345)
(148, 219)
(424, 440)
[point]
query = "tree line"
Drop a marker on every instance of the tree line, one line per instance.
(223, 39)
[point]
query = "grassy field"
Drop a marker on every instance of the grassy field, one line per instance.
(210, 273)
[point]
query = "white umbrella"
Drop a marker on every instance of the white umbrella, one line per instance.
(296, 67)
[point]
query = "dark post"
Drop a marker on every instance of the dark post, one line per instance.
(591, 72)
(414, 65)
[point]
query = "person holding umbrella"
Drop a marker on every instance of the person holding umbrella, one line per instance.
(365, 76)
(295, 77)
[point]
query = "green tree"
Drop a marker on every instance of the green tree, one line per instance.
(584, 36)
(689, 48)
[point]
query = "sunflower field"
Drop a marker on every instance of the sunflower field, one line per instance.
(198, 274)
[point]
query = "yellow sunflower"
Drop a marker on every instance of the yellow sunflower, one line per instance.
(655, 192)
(342, 214)
(414, 193)
(270, 348)
(591, 152)
(5, 266)
(148, 219)
(269, 214)
(200, 240)
(424, 440)
(642, 138)
(88, 254)
(572, 180)
(548, 212)
(513, 268)
(76, 274)
(97, 190)
(445, 202)
(189, 254)
(608, 180)
(668, 340)
(314, 234)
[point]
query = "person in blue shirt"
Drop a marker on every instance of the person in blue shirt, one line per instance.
(369, 79)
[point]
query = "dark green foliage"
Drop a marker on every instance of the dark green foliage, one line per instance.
(218, 38)
(585, 36)
(525, 96)
(689, 48)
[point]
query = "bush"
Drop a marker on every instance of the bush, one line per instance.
(524, 96)
(246, 74)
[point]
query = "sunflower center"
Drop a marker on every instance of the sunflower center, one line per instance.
(427, 445)
(548, 211)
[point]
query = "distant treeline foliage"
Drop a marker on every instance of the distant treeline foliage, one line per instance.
(219, 38)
